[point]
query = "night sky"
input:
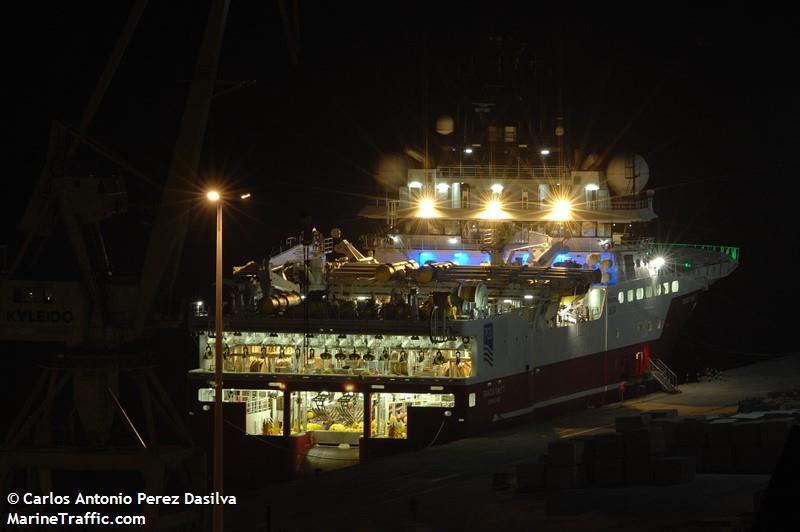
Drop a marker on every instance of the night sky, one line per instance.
(701, 92)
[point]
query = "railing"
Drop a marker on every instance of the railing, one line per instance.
(734, 253)
(629, 203)
(665, 376)
(424, 242)
(502, 172)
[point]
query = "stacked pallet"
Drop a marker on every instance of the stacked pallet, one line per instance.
(659, 447)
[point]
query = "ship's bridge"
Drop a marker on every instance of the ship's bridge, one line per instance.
(534, 194)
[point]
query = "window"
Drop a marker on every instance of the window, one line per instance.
(616, 333)
(639, 293)
(621, 296)
(472, 401)
(675, 287)
(465, 196)
(666, 287)
(648, 291)
(649, 326)
(630, 295)
(544, 191)
(33, 294)
(525, 199)
(658, 289)
(659, 323)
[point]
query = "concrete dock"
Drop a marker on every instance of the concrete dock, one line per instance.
(459, 485)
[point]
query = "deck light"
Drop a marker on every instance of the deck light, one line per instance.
(562, 211)
(497, 188)
(467, 150)
(442, 188)
(591, 187)
(545, 151)
(658, 262)
(213, 195)
(415, 184)
(427, 208)
(494, 211)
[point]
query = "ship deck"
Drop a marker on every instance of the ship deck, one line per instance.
(439, 487)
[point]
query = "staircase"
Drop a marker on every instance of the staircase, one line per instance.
(665, 376)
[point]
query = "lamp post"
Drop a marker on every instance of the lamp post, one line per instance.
(214, 197)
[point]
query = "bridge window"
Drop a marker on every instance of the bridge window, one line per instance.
(33, 294)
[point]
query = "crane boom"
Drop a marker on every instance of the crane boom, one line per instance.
(169, 230)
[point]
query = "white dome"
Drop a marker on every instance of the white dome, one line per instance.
(444, 125)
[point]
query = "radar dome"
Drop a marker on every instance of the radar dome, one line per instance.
(444, 125)
(627, 174)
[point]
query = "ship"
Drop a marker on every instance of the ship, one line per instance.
(490, 293)
(504, 277)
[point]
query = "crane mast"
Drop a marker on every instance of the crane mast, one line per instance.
(103, 377)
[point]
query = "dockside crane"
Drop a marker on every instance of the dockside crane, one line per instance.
(98, 320)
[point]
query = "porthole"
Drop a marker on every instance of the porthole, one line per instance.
(648, 291)
(666, 287)
(675, 286)
(639, 293)
(621, 296)
(630, 295)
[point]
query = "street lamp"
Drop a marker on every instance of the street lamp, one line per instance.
(214, 197)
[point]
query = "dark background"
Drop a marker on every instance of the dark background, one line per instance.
(701, 91)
